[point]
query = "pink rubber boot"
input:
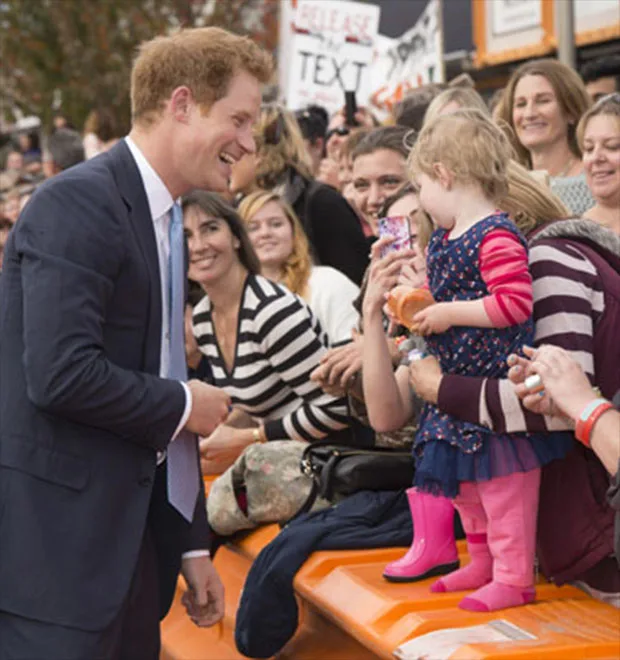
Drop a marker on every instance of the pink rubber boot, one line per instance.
(433, 551)
(479, 570)
(511, 505)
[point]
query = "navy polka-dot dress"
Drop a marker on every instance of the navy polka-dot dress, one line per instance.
(448, 450)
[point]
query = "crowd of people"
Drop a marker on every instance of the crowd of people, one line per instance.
(27, 164)
(508, 402)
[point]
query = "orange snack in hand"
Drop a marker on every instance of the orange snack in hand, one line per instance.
(404, 303)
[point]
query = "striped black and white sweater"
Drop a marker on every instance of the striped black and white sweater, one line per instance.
(279, 344)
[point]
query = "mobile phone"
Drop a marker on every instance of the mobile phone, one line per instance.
(399, 228)
(350, 108)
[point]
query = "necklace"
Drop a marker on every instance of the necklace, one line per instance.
(567, 169)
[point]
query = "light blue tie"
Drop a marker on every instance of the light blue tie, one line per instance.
(183, 471)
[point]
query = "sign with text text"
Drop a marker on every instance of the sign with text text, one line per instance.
(412, 60)
(332, 51)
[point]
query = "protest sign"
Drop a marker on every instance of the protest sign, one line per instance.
(412, 60)
(332, 50)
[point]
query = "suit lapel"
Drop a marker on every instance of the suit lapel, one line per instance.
(132, 190)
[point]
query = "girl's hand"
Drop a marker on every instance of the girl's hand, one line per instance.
(383, 275)
(433, 319)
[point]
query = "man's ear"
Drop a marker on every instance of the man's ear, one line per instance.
(181, 103)
(443, 175)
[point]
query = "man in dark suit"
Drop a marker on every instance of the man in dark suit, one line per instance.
(96, 519)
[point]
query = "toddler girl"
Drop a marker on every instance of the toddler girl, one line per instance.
(477, 272)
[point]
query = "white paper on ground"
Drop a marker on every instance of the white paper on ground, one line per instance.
(441, 644)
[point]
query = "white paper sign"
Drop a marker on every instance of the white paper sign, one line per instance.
(595, 14)
(332, 51)
(441, 644)
(285, 42)
(412, 60)
(509, 16)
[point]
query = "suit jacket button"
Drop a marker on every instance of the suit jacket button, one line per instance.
(145, 481)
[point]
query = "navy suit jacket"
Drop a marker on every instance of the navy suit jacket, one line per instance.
(82, 409)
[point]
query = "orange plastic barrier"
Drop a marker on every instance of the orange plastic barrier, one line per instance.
(347, 611)
(348, 588)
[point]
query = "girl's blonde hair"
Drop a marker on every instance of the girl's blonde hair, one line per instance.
(528, 201)
(466, 97)
(279, 146)
(608, 105)
(297, 268)
(569, 91)
(469, 145)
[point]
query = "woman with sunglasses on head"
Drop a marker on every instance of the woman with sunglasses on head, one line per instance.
(260, 340)
(540, 108)
(338, 132)
(338, 129)
(331, 225)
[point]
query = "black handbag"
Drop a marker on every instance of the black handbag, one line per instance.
(340, 470)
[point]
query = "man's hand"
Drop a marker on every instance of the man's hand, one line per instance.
(433, 319)
(210, 407)
(204, 599)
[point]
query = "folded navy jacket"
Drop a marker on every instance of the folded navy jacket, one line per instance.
(267, 616)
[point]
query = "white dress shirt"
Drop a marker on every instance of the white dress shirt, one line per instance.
(160, 204)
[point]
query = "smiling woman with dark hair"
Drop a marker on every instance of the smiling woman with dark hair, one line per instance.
(260, 340)
(209, 205)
